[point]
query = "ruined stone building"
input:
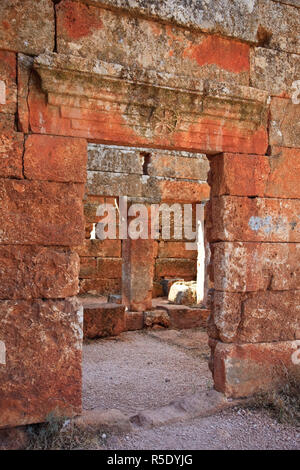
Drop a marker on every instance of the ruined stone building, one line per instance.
(172, 101)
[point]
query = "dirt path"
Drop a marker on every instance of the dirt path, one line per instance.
(146, 370)
(141, 370)
(231, 429)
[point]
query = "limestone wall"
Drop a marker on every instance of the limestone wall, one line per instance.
(215, 77)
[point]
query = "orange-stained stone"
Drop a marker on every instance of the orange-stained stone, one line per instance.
(285, 173)
(245, 369)
(170, 249)
(37, 272)
(184, 191)
(256, 317)
(224, 53)
(255, 219)
(21, 20)
(115, 123)
(100, 320)
(11, 148)
(39, 212)
(238, 175)
(137, 273)
(254, 266)
(78, 20)
(172, 267)
(100, 286)
(8, 79)
(42, 374)
(52, 158)
(100, 248)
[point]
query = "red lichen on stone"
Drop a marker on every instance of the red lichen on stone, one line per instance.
(79, 20)
(227, 54)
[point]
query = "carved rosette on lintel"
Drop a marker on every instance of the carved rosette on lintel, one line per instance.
(110, 103)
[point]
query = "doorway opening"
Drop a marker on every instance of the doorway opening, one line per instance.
(145, 311)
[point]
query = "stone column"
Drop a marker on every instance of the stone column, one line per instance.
(138, 270)
(255, 241)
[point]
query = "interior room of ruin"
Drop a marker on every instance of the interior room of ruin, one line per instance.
(176, 103)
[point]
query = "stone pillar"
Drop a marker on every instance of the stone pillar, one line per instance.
(138, 269)
(254, 233)
(41, 320)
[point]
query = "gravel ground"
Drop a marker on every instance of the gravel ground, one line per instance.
(141, 370)
(232, 429)
(148, 369)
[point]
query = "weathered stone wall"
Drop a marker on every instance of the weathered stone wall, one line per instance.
(145, 176)
(215, 77)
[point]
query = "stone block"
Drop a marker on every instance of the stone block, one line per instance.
(134, 321)
(86, 30)
(242, 370)
(100, 286)
(8, 86)
(170, 165)
(52, 158)
(20, 21)
(274, 71)
(39, 212)
(256, 317)
(100, 248)
(257, 175)
(246, 267)
(112, 159)
(255, 219)
(31, 272)
(284, 123)
(172, 267)
(103, 319)
(42, 373)
(11, 148)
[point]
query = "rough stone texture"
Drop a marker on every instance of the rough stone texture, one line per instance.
(24, 70)
(100, 248)
(113, 159)
(100, 286)
(274, 71)
(242, 370)
(184, 191)
(273, 23)
(194, 167)
(182, 316)
(20, 21)
(8, 80)
(99, 420)
(177, 112)
(44, 213)
(244, 267)
(42, 374)
(183, 293)
(173, 267)
(256, 175)
(284, 123)
(168, 249)
(103, 319)
(134, 321)
(93, 268)
(258, 219)
(256, 317)
(103, 34)
(37, 272)
(156, 319)
(11, 148)
(52, 158)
